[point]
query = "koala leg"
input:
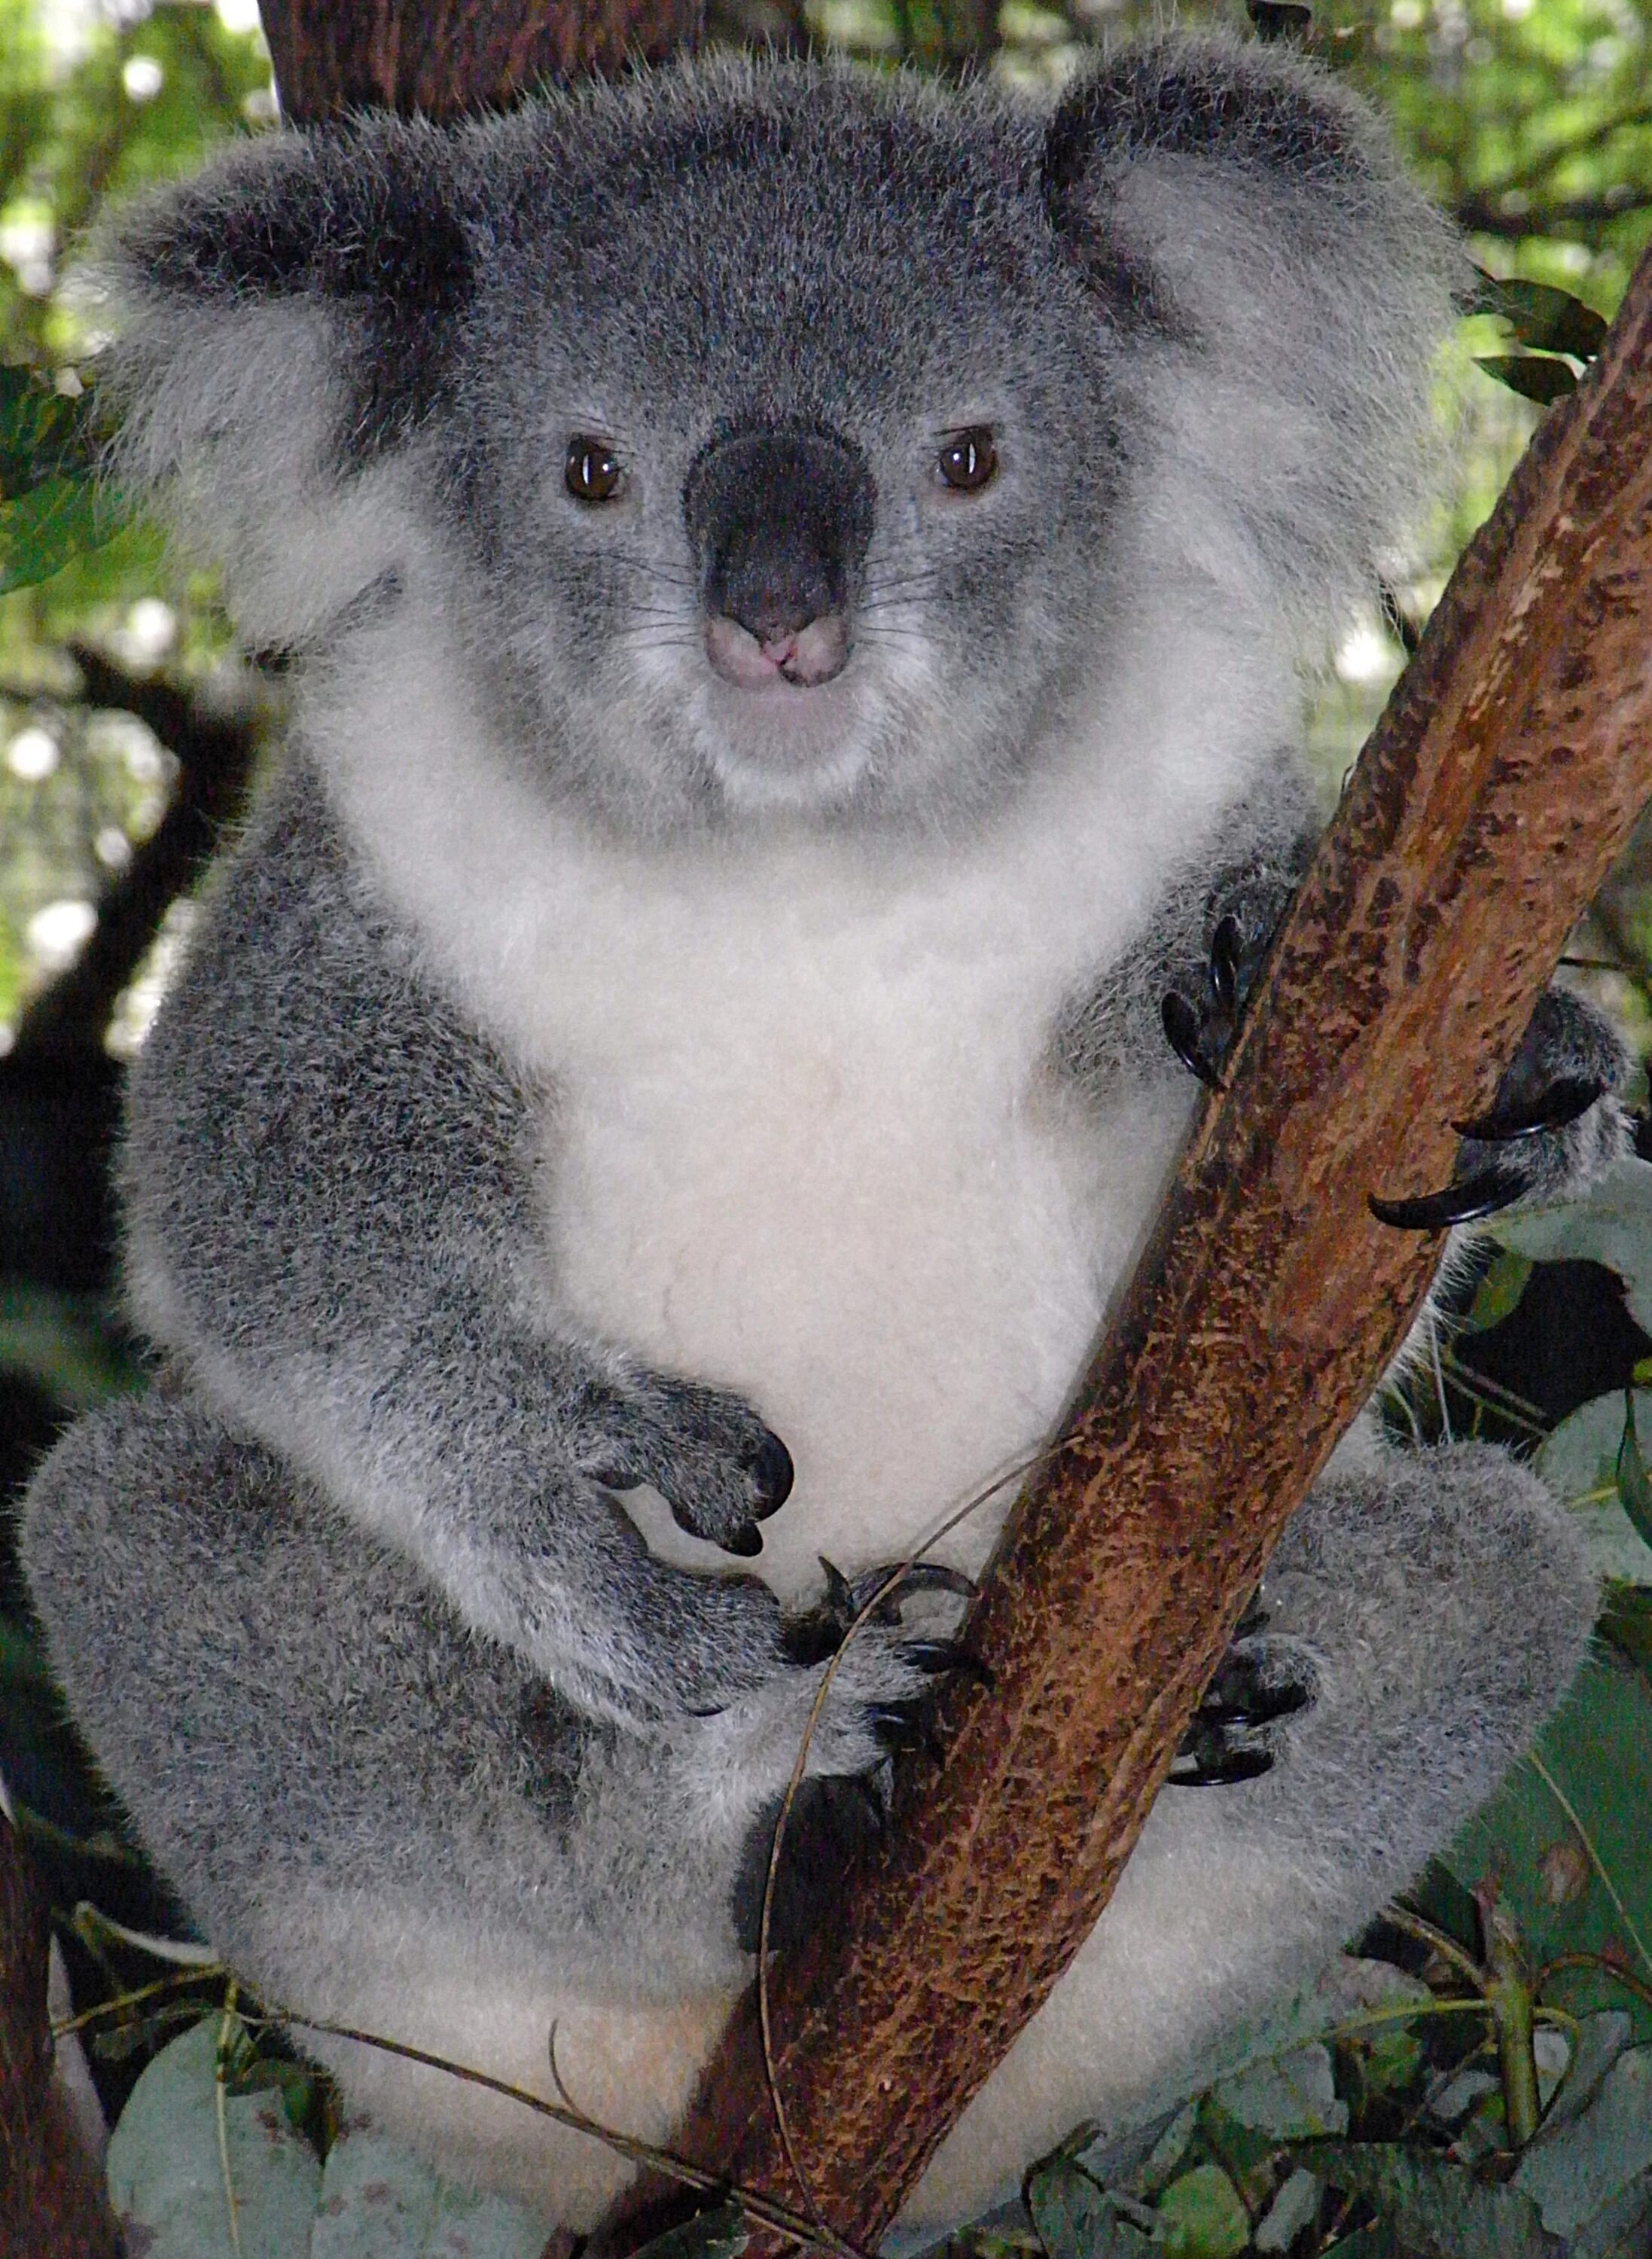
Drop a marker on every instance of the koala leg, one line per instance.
(1437, 1603)
(381, 1819)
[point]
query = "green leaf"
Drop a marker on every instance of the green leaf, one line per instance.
(1582, 2166)
(1613, 1226)
(1566, 1894)
(166, 2170)
(1439, 2211)
(1626, 1621)
(1076, 2219)
(1534, 377)
(42, 530)
(719, 2233)
(42, 435)
(1498, 1292)
(1543, 319)
(1634, 1487)
(1201, 2216)
(380, 2202)
(1580, 1464)
(65, 1344)
(1293, 2096)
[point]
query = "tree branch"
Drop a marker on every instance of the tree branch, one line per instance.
(463, 56)
(1484, 813)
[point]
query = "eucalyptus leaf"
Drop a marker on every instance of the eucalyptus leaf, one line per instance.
(1498, 1292)
(1601, 2040)
(1292, 2096)
(1077, 2219)
(1534, 377)
(1438, 2210)
(378, 2201)
(42, 434)
(1577, 2170)
(1581, 1463)
(1569, 1893)
(1634, 1489)
(1613, 1226)
(1543, 319)
(719, 2233)
(1294, 2207)
(166, 2172)
(44, 528)
(1202, 2217)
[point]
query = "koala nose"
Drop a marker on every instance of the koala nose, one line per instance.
(779, 519)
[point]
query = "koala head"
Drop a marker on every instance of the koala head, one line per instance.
(782, 444)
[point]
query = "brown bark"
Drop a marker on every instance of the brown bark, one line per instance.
(1484, 813)
(463, 55)
(51, 2206)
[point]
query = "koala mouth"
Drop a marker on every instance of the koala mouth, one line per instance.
(804, 657)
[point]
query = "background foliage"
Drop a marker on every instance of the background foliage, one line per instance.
(1476, 2081)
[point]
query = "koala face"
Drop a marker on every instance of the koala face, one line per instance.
(802, 519)
(779, 445)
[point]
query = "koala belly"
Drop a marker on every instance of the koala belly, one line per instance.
(901, 1269)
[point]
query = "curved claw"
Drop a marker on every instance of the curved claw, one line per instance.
(1181, 1032)
(1463, 1202)
(895, 1729)
(1225, 948)
(1566, 1101)
(1221, 1770)
(747, 1541)
(941, 1655)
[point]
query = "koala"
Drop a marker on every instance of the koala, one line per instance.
(796, 583)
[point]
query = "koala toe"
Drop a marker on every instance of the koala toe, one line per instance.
(718, 1468)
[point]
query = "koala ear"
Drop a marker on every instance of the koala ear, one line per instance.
(286, 326)
(1280, 292)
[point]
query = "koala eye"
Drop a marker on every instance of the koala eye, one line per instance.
(969, 460)
(592, 471)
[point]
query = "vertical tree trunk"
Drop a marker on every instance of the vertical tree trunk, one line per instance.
(465, 55)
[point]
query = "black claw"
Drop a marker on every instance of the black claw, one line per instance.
(746, 1542)
(1218, 1767)
(1181, 1032)
(946, 1655)
(873, 1792)
(1463, 1202)
(896, 1729)
(936, 1576)
(1564, 1102)
(840, 1593)
(1225, 946)
(771, 1470)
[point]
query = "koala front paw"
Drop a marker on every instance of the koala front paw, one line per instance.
(1201, 1019)
(886, 1670)
(717, 1467)
(1260, 1679)
(1554, 1122)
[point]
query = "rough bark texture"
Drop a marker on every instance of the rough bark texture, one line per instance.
(466, 56)
(1485, 811)
(51, 2206)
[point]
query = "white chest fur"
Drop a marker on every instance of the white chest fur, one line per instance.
(800, 1141)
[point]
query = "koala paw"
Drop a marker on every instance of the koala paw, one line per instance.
(878, 1682)
(1201, 1021)
(1259, 1680)
(1553, 1125)
(717, 1467)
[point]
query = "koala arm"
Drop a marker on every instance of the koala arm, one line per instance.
(329, 1188)
(1116, 1030)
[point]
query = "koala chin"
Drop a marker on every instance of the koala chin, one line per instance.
(796, 583)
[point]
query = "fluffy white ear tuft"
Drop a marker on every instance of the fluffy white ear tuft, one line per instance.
(284, 326)
(1283, 290)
